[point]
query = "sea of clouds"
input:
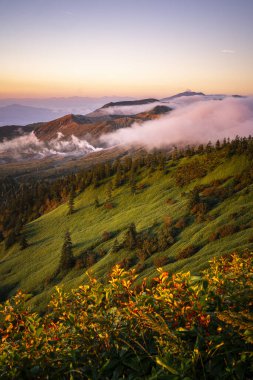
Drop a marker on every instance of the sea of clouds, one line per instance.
(196, 119)
(193, 120)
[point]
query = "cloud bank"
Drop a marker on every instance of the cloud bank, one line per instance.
(29, 146)
(128, 110)
(196, 122)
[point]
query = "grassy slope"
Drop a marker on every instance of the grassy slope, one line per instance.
(30, 268)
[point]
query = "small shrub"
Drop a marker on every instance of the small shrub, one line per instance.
(187, 252)
(108, 205)
(79, 263)
(180, 224)
(142, 186)
(167, 220)
(214, 236)
(160, 261)
(227, 229)
(199, 208)
(116, 246)
(127, 263)
(170, 201)
(10, 240)
(106, 235)
(139, 267)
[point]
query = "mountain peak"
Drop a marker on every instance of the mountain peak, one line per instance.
(185, 93)
(130, 102)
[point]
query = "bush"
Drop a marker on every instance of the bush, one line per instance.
(214, 236)
(108, 205)
(227, 229)
(167, 220)
(106, 235)
(181, 224)
(79, 263)
(176, 327)
(170, 201)
(187, 252)
(10, 240)
(160, 261)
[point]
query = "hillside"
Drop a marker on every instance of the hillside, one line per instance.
(186, 210)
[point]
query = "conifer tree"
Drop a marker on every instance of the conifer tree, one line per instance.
(96, 202)
(118, 177)
(133, 187)
(67, 260)
(116, 246)
(11, 239)
(23, 242)
(109, 191)
(130, 239)
(71, 202)
(194, 197)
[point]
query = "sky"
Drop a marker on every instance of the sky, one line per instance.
(138, 48)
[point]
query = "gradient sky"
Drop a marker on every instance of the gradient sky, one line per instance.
(125, 47)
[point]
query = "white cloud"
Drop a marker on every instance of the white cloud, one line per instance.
(29, 146)
(198, 122)
(228, 51)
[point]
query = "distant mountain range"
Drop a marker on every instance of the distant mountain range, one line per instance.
(107, 118)
(26, 111)
(22, 115)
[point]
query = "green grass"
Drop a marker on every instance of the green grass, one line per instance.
(29, 269)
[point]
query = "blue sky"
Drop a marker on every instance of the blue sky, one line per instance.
(138, 48)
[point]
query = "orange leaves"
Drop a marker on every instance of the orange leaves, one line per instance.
(99, 321)
(163, 277)
(5, 337)
(8, 317)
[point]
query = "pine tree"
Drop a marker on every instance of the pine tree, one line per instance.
(133, 187)
(118, 177)
(130, 239)
(67, 260)
(109, 191)
(194, 198)
(96, 202)
(116, 246)
(23, 242)
(10, 240)
(71, 202)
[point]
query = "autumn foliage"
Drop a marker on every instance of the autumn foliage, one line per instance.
(181, 327)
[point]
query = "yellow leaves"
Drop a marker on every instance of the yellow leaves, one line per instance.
(126, 283)
(164, 276)
(9, 328)
(5, 337)
(117, 271)
(161, 363)
(96, 316)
